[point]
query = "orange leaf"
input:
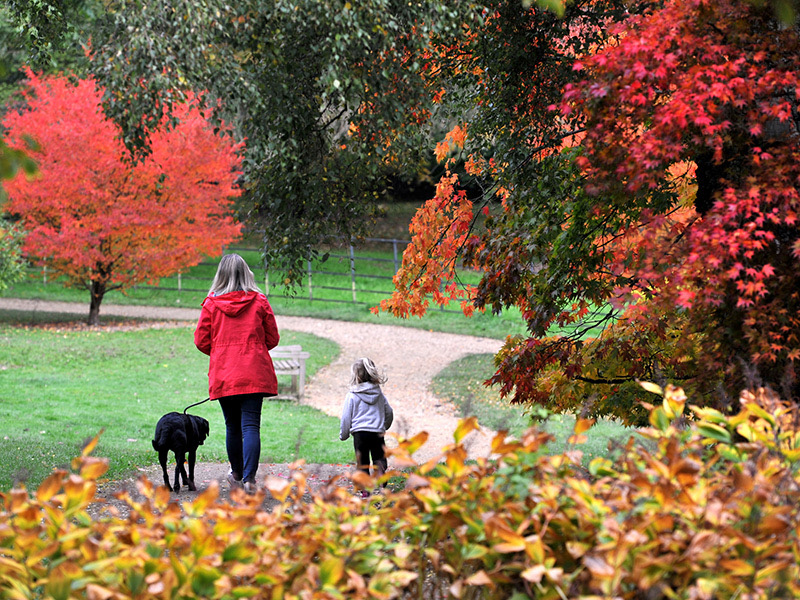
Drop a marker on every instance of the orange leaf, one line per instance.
(92, 468)
(479, 578)
(50, 486)
(737, 567)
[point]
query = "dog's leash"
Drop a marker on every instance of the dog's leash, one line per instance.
(195, 404)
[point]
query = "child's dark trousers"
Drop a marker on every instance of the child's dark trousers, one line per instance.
(370, 444)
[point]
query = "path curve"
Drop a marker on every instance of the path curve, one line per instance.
(410, 357)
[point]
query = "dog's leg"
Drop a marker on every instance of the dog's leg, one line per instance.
(184, 477)
(162, 458)
(192, 459)
(180, 457)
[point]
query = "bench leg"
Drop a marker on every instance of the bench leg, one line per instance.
(302, 384)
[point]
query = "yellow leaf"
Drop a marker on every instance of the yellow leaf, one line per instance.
(737, 567)
(89, 448)
(92, 468)
(402, 578)
(278, 487)
(464, 427)
(535, 549)
(331, 571)
(674, 401)
(204, 500)
(415, 443)
(658, 419)
(508, 547)
(772, 569)
(651, 387)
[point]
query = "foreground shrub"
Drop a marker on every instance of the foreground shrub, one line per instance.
(704, 506)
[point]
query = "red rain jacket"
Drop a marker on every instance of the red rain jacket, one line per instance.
(237, 330)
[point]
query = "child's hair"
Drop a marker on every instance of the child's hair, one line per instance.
(363, 371)
(233, 275)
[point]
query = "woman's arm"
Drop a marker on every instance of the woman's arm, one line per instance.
(273, 337)
(202, 333)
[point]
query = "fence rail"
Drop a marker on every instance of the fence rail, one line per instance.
(362, 280)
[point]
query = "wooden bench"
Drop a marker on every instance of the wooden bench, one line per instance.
(291, 360)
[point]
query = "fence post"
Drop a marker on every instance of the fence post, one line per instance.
(180, 287)
(266, 281)
(310, 293)
(353, 272)
(394, 249)
(44, 275)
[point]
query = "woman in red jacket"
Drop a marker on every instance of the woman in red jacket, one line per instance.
(237, 329)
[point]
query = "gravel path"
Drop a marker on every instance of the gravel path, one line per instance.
(410, 358)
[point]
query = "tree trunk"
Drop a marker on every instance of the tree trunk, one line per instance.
(98, 290)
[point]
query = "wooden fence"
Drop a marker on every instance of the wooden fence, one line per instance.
(361, 276)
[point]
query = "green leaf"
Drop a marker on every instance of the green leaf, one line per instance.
(714, 432)
(203, 580)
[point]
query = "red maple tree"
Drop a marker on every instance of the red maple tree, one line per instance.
(663, 244)
(712, 85)
(102, 221)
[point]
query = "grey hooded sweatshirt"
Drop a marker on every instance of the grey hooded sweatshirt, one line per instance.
(365, 409)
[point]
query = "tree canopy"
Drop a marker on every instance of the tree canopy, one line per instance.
(651, 230)
(101, 221)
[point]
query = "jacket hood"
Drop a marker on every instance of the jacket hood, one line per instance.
(232, 303)
(367, 392)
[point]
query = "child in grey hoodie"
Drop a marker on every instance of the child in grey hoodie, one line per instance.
(367, 415)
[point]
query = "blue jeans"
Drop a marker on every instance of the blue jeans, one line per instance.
(243, 433)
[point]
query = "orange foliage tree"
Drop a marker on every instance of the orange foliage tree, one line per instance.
(641, 171)
(103, 222)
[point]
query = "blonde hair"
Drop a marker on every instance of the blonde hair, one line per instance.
(363, 371)
(233, 275)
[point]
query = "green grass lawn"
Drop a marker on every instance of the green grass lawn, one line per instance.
(462, 383)
(60, 388)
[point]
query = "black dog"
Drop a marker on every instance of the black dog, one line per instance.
(180, 433)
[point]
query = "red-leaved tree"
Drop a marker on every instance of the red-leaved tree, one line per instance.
(646, 227)
(103, 222)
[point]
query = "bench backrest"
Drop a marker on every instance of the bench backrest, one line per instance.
(288, 352)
